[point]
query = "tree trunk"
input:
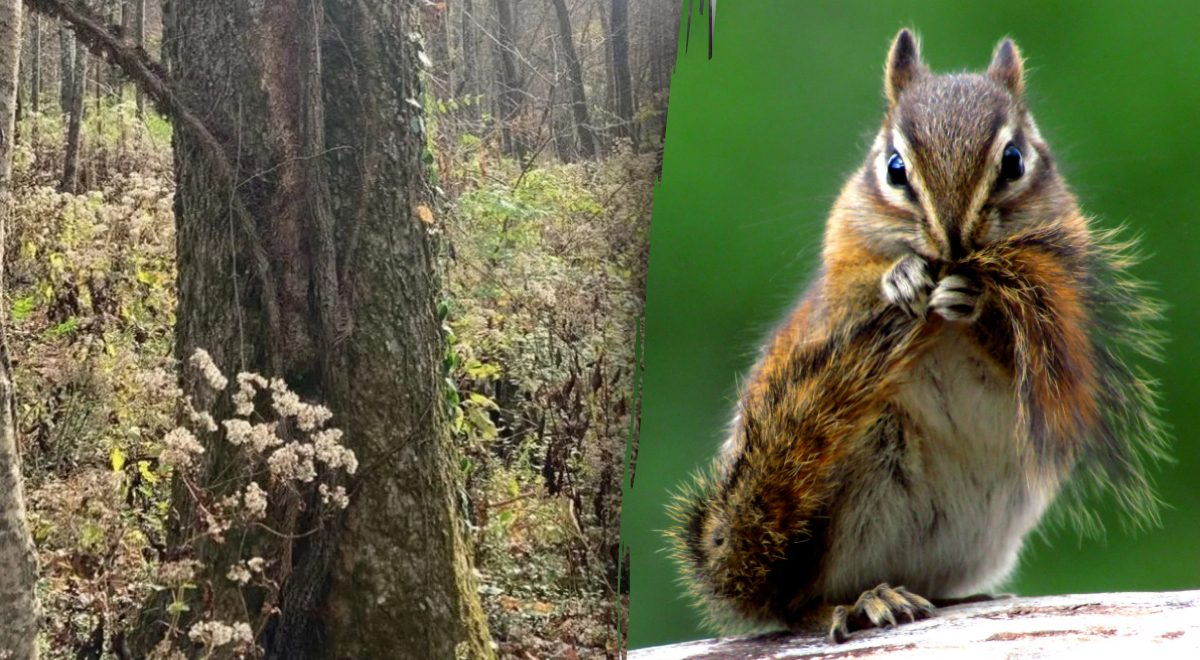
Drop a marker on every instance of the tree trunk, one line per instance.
(66, 68)
(35, 85)
(139, 37)
(315, 115)
(469, 81)
(511, 88)
(70, 178)
(18, 565)
(579, 108)
(623, 82)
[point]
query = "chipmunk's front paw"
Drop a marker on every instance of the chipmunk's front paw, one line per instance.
(878, 608)
(907, 284)
(956, 298)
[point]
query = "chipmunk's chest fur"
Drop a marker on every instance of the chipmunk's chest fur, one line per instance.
(944, 503)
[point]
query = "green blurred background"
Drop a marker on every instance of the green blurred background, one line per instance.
(759, 141)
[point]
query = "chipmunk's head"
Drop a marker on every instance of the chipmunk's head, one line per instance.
(959, 162)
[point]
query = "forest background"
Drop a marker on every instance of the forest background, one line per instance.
(534, 129)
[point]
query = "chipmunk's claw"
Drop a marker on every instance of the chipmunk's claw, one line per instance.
(878, 608)
(907, 285)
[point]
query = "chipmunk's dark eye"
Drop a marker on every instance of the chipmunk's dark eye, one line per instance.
(1012, 166)
(897, 175)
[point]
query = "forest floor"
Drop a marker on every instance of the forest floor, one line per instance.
(543, 268)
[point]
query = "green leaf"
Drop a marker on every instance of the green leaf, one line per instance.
(482, 423)
(23, 307)
(117, 457)
(146, 473)
(64, 328)
(482, 401)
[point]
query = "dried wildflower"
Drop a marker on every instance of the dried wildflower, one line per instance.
(215, 634)
(239, 574)
(256, 564)
(165, 650)
(336, 496)
(255, 500)
(287, 403)
(311, 417)
(328, 449)
(203, 362)
(179, 448)
(200, 419)
(174, 573)
(259, 437)
(248, 386)
(293, 462)
(216, 526)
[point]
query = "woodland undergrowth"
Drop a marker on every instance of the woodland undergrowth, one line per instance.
(543, 266)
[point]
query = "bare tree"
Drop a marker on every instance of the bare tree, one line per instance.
(66, 68)
(18, 565)
(139, 36)
(76, 94)
(622, 81)
(468, 82)
(511, 86)
(35, 84)
(579, 106)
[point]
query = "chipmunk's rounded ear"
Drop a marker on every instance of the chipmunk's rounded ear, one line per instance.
(904, 65)
(1007, 68)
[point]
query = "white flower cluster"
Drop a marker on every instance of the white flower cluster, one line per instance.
(175, 573)
(215, 634)
(292, 457)
(287, 403)
(258, 437)
(329, 450)
(293, 462)
(217, 525)
(248, 386)
(180, 447)
(203, 362)
(255, 501)
(239, 574)
(199, 418)
(242, 572)
(336, 496)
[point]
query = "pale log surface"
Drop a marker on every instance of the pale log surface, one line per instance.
(1142, 626)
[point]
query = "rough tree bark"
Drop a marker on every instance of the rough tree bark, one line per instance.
(35, 64)
(468, 82)
(139, 40)
(66, 68)
(78, 90)
(1120, 625)
(622, 80)
(579, 107)
(18, 566)
(511, 85)
(318, 112)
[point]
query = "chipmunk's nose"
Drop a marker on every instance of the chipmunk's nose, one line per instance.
(958, 246)
(955, 247)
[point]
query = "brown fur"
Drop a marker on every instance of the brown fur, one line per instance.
(753, 537)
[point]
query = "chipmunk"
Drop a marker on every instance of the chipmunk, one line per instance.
(963, 354)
